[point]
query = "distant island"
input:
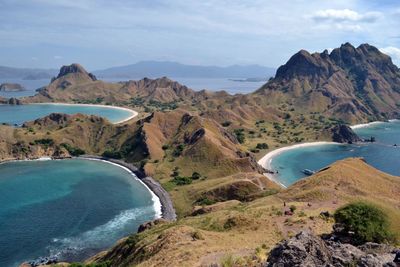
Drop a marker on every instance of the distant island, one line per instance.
(155, 69)
(11, 87)
(249, 80)
(26, 73)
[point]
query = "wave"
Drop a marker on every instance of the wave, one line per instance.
(99, 237)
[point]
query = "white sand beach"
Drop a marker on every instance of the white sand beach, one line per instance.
(131, 111)
(267, 159)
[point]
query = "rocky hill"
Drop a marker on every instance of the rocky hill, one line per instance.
(245, 233)
(349, 83)
(75, 84)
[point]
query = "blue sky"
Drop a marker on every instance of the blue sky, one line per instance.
(104, 33)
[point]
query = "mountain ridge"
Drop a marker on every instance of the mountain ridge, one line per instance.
(154, 69)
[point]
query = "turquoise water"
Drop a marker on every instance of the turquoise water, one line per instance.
(382, 154)
(19, 114)
(69, 208)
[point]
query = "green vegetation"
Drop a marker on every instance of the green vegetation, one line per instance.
(196, 175)
(46, 142)
(239, 133)
(178, 150)
(368, 223)
(262, 146)
(74, 151)
(112, 154)
(226, 123)
(205, 201)
(182, 180)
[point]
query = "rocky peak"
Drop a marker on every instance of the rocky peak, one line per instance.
(307, 249)
(74, 69)
(305, 64)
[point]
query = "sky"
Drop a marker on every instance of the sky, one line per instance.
(103, 33)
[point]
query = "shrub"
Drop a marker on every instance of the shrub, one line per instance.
(262, 146)
(112, 154)
(239, 135)
(226, 123)
(368, 223)
(182, 180)
(196, 175)
(178, 150)
(74, 151)
(292, 208)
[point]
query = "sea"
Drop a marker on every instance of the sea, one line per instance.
(384, 154)
(68, 208)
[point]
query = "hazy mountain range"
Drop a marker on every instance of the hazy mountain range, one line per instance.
(152, 69)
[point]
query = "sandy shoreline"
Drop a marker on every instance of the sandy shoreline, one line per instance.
(267, 159)
(165, 205)
(364, 125)
(131, 111)
(162, 202)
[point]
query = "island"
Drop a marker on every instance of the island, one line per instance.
(11, 87)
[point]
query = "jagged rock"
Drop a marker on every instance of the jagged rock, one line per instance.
(344, 134)
(14, 101)
(307, 249)
(148, 225)
(11, 87)
(74, 68)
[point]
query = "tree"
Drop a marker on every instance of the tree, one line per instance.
(368, 223)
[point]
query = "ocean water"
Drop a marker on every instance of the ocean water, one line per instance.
(212, 84)
(382, 154)
(69, 208)
(18, 114)
(30, 87)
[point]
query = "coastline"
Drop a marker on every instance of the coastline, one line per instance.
(266, 160)
(131, 111)
(364, 125)
(166, 208)
(162, 202)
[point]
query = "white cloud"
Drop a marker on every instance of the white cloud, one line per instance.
(345, 15)
(58, 57)
(393, 52)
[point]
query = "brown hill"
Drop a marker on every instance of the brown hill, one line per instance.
(249, 230)
(349, 83)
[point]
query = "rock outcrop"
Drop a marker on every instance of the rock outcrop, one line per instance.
(11, 87)
(74, 68)
(349, 83)
(14, 101)
(306, 249)
(344, 134)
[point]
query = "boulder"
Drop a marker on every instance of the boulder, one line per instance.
(148, 225)
(14, 101)
(344, 134)
(307, 249)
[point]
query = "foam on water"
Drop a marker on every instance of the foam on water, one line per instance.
(95, 239)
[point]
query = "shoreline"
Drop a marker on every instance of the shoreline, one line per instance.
(365, 125)
(266, 160)
(164, 209)
(131, 111)
(167, 210)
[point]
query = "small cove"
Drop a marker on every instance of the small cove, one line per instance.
(382, 154)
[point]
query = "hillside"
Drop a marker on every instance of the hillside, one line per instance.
(247, 231)
(354, 84)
